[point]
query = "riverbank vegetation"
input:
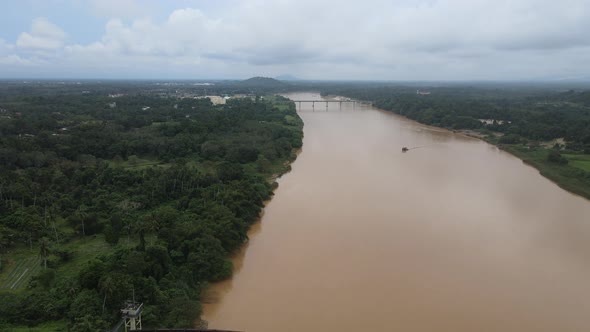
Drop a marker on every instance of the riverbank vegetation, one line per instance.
(139, 195)
(547, 128)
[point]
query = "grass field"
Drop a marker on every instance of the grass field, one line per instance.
(135, 162)
(581, 161)
(18, 270)
(84, 249)
(22, 264)
(47, 327)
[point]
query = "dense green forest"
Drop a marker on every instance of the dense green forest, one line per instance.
(547, 127)
(143, 195)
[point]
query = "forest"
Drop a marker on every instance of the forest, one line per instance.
(139, 196)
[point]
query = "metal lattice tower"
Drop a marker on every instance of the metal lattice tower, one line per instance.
(132, 316)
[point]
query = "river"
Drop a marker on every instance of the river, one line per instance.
(454, 236)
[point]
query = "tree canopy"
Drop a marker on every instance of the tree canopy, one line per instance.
(170, 191)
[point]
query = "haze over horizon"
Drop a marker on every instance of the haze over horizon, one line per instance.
(372, 40)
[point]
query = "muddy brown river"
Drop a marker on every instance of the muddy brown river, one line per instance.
(453, 236)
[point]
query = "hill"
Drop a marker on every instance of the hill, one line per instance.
(287, 77)
(261, 82)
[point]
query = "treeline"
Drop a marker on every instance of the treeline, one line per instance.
(51, 128)
(529, 115)
(96, 88)
(69, 170)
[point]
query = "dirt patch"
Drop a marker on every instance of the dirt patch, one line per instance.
(551, 143)
(477, 134)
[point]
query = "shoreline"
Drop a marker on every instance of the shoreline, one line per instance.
(551, 172)
(213, 292)
(546, 170)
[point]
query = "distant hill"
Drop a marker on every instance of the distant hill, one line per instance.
(287, 77)
(261, 82)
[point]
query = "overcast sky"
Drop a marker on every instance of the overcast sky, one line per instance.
(310, 39)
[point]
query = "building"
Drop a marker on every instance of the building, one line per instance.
(216, 100)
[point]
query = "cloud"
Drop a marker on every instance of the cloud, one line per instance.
(5, 48)
(185, 32)
(8, 58)
(380, 39)
(44, 35)
(13, 59)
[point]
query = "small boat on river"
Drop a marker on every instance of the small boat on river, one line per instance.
(404, 149)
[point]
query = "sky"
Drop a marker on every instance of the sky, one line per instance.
(310, 39)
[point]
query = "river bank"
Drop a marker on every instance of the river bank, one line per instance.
(573, 177)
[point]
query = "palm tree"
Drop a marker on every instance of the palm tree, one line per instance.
(53, 213)
(107, 286)
(44, 250)
(3, 244)
(4, 239)
(81, 213)
(143, 226)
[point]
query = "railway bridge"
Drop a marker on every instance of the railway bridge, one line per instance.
(327, 102)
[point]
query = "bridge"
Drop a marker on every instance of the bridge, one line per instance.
(327, 102)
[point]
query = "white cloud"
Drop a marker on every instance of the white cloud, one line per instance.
(380, 39)
(9, 58)
(13, 59)
(185, 32)
(5, 48)
(44, 35)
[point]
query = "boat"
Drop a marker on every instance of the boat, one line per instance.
(404, 149)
